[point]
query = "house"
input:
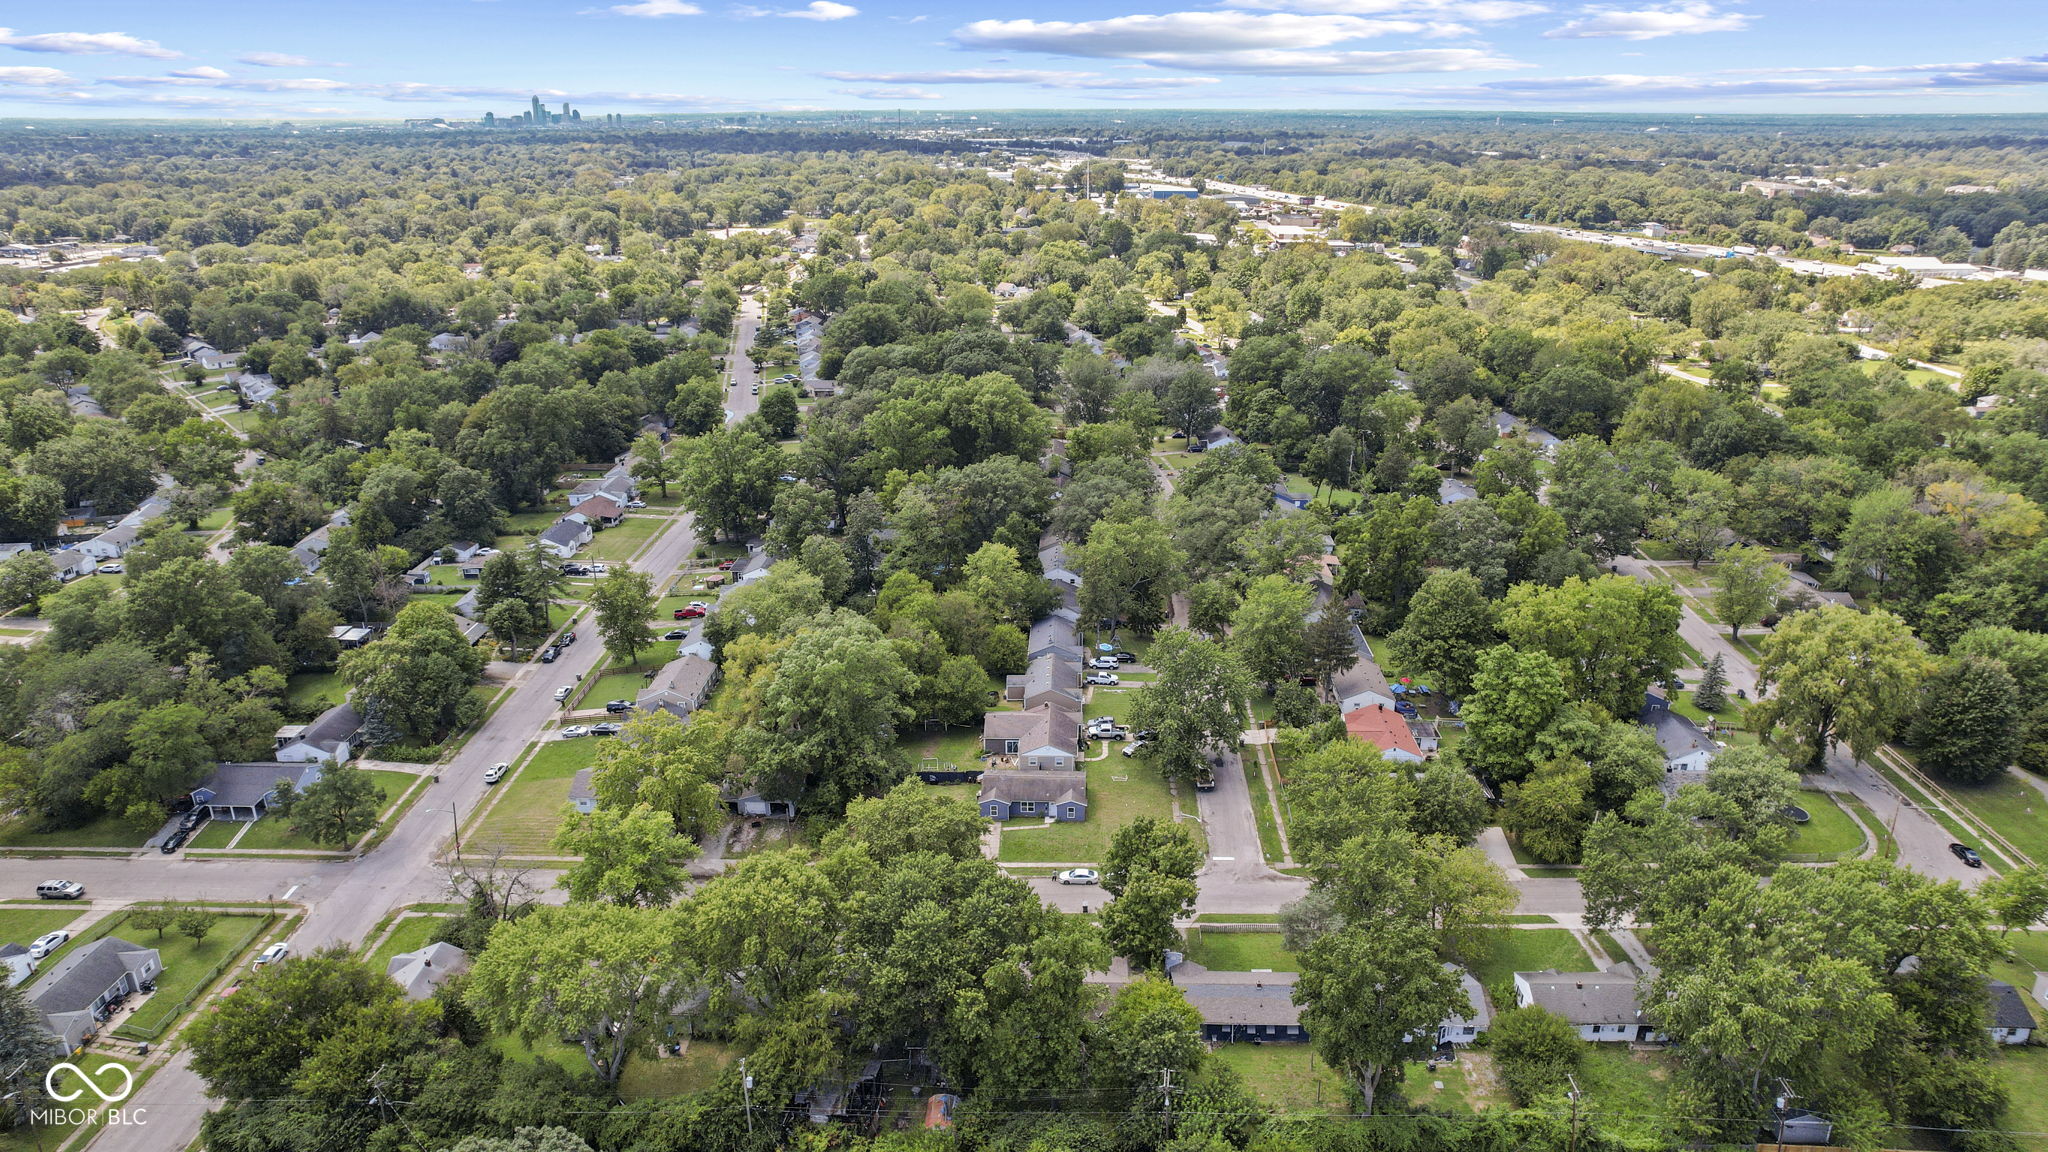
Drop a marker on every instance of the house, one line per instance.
(211, 359)
(1385, 729)
(1655, 231)
(69, 564)
(421, 971)
(1217, 437)
(74, 996)
(565, 537)
(1601, 1005)
(617, 484)
(1052, 560)
(314, 544)
(448, 342)
(20, 965)
(1256, 1007)
(10, 550)
(1051, 679)
(751, 802)
(350, 636)
(1425, 735)
(580, 794)
(681, 687)
(1464, 1029)
(1009, 795)
(468, 605)
(1366, 699)
(1045, 737)
(244, 791)
(461, 551)
(2011, 1022)
(256, 387)
(363, 341)
(603, 510)
(127, 531)
(1058, 633)
(327, 740)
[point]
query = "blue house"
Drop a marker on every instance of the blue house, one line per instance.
(1027, 795)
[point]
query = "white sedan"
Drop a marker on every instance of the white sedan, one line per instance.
(1078, 876)
(273, 954)
(496, 772)
(47, 943)
(574, 730)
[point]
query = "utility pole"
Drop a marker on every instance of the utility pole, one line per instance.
(1780, 1106)
(1166, 1092)
(1573, 1096)
(747, 1090)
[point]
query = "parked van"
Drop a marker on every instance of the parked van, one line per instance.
(60, 890)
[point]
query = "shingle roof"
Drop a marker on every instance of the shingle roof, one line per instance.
(1035, 787)
(1607, 997)
(564, 533)
(333, 727)
(81, 978)
(1383, 728)
(246, 785)
(683, 681)
(2008, 1007)
(421, 971)
(1269, 1002)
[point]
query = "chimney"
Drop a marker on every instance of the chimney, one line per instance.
(1581, 986)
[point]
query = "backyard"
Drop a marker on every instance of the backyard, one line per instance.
(1529, 950)
(1119, 791)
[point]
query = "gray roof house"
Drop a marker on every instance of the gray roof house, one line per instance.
(1058, 633)
(565, 537)
(244, 791)
(1061, 796)
(256, 387)
(1045, 738)
(2011, 1022)
(1601, 1005)
(421, 971)
(681, 687)
(1052, 560)
(69, 564)
(330, 738)
(1050, 679)
(20, 965)
(115, 542)
(314, 544)
(73, 996)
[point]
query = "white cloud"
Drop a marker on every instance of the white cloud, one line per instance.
(1477, 11)
(822, 10)
(1148, 37)
(203, 72)
(283, 60)
(889, 94)
(648, 9)
(1651, 23)
(86, 44)
(1092, 81)
(33, 77)
(1851, 82)
(1279, 63)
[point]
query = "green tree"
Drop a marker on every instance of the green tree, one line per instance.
(251, 1044)
(196, 923)
(1836, 674)
(1139, 923)
(1129, 571)
(1197, 700)
(1548, 813)
(1449, 623)
(1612, 636)
(728, 478)
(1535, 1050)
(416, 678)
(779, 411)
(911, 818)
(824, 722)
(2018, 898)
(1269, 630)
(1968, 727)
(158, 918)
(632, 857)
(1149, 844)
(1746, 583)
(27, 1053)
(623, 602)
(1372, 1000)
(1711, 695)
(651, 462)
(603, 975)
(1517, 700)
(339, 807)
(1386, 556)
(25, 579)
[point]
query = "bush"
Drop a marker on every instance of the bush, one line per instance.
(1534, 1050)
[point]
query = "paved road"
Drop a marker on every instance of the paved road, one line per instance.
(1236, 878)
(742, 399)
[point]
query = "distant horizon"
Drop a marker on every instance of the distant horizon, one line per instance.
(379, 59)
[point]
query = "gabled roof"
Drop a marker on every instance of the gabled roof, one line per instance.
(2008, 1007)
(1034, 787)
(603, 507)
(684, 681)
(421, 971)
(246, 785)
(1583, 998)
(333, 728)
(564, 533)
(86, 974)
(1041, 727)
(1383, 728)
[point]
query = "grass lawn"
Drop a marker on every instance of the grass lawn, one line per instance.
(448, 576)
(1887, 847)
(273, 833)
(34, 1138)
(619, 542)
(953, 744)
(1530, 950)
(569, 1056)
(624, 681)
(215, 834)
(23, 925)
(531, 520)
(188, 968)
(529, 805)
(697, 1069)
(1262, 806)
(1119, 790)
(105, 832)
(2013, 808)
(1730, 713)
(215, 520)
(1240, 951)
(1616, 1080)
(315, 691)
(1288, 1077)
(2026, 1079)
(411, 932)
(1830, 835)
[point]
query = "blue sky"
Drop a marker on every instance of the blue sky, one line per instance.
(459, 58)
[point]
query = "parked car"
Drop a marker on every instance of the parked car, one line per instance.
(1101, 678)
(726, 565)
(273, 954)
(112, 568)
(573, 731)
(1078, 876)
(1205, 780)
(568, 638)
(174, 841)
(1109, 662)
(599, 569)
(575, 570)
(1967, 855)
(193, 819)
(636, 503)
(562, 693)
(605, 729)
(47, 943)
(690, 613)
(60, 890)
(548, 654)
(496, 772)
(1123, 657)
(676, 634)
(1134, 747)
(616, 706)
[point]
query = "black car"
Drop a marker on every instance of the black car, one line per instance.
(575, 570)
(173, 842)
(605, 729)
(1125, 657)
(193, 819)
(1967, 855)
(676, 634)
(617, 706)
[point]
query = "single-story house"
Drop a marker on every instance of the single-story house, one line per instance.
(1045, 737)
(350, 636)
(2011, 1022)
(1464, 1029)
(602, 509)
(256, 387)
(751, 802)
(472, 631)
(1051, 679)
(1367, 699)
(580, 794)
(313, 545)
(215, 360)
(69, 564)
(421, 971)
(461, 551)
(1385, 729)
(1052, 560)
(565, 537)
(448, 342)
(681, 687)
(1009, 795)
(112, 544)
(468, 605)
(73, 997)
(10, 550)
(1426, 735)
(1058, 633)
(615, 484)
(1218, 437)
(244, 791)
(1601, 1005)
(328, 739)
(1243, 1006)
(20, 965)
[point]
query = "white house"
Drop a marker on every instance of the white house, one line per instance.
(1602, 1006)
(565, 537)
(327, 740)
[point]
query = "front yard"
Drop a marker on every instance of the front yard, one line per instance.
(273, 832)
(1119, 791)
